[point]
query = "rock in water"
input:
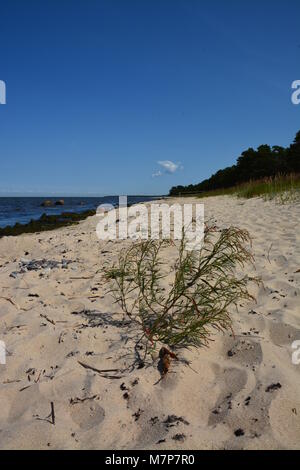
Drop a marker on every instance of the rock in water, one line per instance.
(60, 202)
(47, 203)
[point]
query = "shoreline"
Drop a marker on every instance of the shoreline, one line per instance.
(47, 222)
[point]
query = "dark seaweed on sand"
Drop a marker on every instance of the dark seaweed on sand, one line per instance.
(46, 222)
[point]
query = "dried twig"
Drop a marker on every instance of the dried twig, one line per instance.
(10, 301)
(47, 318)
(82, 277)
(268, 254)
(50, 418)
(15, 326)
(10, 381)
(88, 297)
(99, 371)
(24, 388)
(74, 401)
(52, 414)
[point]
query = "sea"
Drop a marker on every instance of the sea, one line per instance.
(23, 209)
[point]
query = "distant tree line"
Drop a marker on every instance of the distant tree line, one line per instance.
(253, 164)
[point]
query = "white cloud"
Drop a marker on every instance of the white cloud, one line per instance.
(169, 166)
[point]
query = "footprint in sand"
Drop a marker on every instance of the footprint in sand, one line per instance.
(246, 352)
(281, 260)
(87, 414)
(283, 334)
(234, 380)
(285, 422)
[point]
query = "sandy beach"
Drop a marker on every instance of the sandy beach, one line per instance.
(62, 330)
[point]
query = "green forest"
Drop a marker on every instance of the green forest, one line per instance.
(252, 164)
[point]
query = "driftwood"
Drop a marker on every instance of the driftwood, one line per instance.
(101, 371)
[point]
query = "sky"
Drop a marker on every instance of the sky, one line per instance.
(134, 97)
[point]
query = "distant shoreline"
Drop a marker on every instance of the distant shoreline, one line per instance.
(51, 221)
(28, 211)
(46, 223)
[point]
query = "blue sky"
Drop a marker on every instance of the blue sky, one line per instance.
(100, 92)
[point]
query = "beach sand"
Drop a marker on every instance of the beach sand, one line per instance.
(240, 393)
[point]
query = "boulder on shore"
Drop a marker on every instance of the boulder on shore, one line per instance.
(47, 203)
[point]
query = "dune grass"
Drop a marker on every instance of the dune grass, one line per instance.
(283, 188)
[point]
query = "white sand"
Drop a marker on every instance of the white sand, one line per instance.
(211, 398)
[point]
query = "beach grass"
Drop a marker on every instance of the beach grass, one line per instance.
(203, 288)
(283, 188)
